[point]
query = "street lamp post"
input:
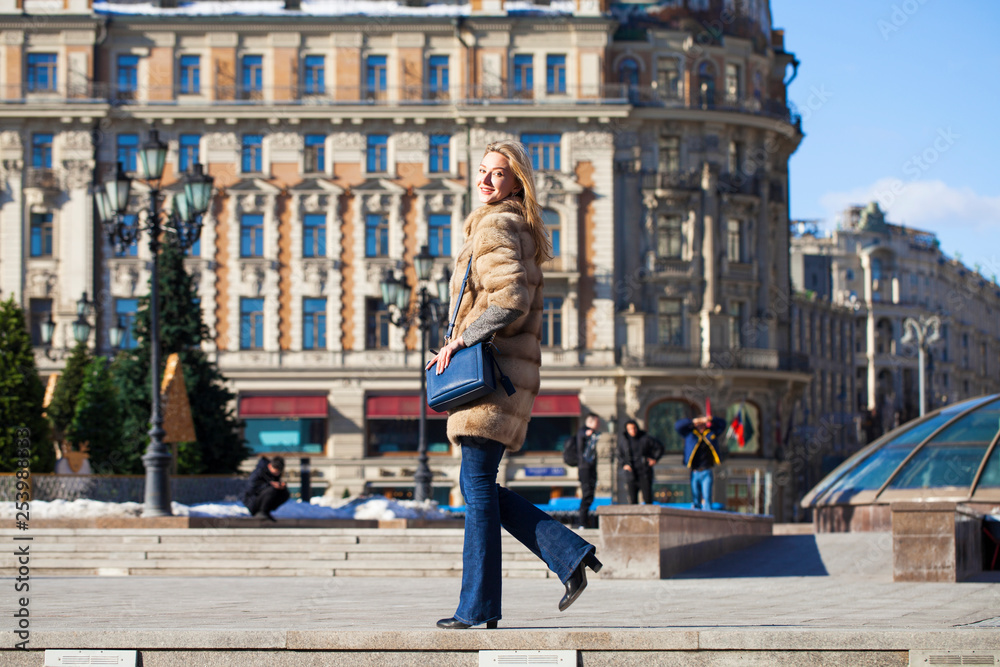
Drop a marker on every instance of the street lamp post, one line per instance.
(184, 219)
(429, 311)
(924, 331)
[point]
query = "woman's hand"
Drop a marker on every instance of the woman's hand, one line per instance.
(444, 355)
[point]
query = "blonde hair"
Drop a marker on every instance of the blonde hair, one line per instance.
(520, 164)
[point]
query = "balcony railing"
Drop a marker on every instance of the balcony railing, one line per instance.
(672, 180)
(758, 359)
(41, 177)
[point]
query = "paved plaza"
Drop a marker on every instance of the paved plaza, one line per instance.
(822, 593)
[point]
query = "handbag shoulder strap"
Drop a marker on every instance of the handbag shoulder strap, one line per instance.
(458, 302)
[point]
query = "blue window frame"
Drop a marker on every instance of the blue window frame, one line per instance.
(378, 153)
(524, 77)
(41, 151)
(251, 324)
(439, 235)
(128, 151)
(437, 76)
(42, 72)
(553, 225)
(252, 75)
(252, 235)
(376, 235)
(313, 324)
(132, 250)
(195, 249)
(552, 322)
(187, 151)
(128, 74)
(314, 75)
(190, 75)
(253, 153)
(315, 153)
(126, 309)
(41, 235)
(440, 159)
(376, 68)
(314, 235)
(555, 74)
(544, 150)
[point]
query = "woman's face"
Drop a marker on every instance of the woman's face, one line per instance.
(496, 179)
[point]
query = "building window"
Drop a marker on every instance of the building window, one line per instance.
(376, 235)
(376, 325)
(555, 74)
(440, 159)
(553, 225)
(314, 235)
(252, 77)
(668, 79)
(524, 77)
(314, 75)
(252, 235)
(195, 249)
(42, 72)
(251, 324)
(544, 150)
(315, 157)
(128, 151)
(266, 435)
(125, 310)
(706, 85)
(670, 322)
(670, 237)
(552, 322)
(375, 77)
(41, 151)
(734, 240)
(132, 249)
(253, 153)
(660, 420)
(128, 75)
(190, 75)
(437, 77)
(734, 83)
(735, 156)
(628, 73)
(39, 311)
(738, 315)
(313, 324)
(670, 155)
(188, 151)
(439, 235)
(41, 235)
(378, 153)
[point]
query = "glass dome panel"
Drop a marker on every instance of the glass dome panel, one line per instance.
(871, 473)
(991, 474)
(978, 426)
(938, 465)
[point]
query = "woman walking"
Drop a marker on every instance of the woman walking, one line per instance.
(508, 244)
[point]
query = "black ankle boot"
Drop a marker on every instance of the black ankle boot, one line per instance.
(455, 624)
(577, 581)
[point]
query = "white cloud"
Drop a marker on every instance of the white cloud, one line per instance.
(931, 205)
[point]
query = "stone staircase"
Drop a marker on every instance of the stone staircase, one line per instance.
(317, 552)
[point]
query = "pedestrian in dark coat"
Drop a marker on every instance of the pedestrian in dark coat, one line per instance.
(638, 453)
(265, 490)
(585, 442)
(703, 450)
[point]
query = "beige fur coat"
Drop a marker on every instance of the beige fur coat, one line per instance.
(504, 274)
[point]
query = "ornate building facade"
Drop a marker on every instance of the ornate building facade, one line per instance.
(341, 144)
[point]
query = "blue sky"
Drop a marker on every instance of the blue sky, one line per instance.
(900, 102)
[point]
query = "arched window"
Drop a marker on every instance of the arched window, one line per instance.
(629, 76)
(660, 420)
(706, 85)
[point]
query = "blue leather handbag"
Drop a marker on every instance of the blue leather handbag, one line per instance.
(471, 373)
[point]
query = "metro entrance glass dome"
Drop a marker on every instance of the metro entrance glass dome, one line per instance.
(949, 454)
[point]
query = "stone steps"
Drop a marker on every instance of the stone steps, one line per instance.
(263, 552)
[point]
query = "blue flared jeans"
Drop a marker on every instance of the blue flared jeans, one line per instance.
(488, 506)
(701, 488)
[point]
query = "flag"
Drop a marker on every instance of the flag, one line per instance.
(708, 408)
(741, 428)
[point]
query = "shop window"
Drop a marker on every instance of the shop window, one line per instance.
(660, 420)
(285, 434)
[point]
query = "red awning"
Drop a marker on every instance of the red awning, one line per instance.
(284, 406)
(401, 406)
(556, 405)
(407, 406)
